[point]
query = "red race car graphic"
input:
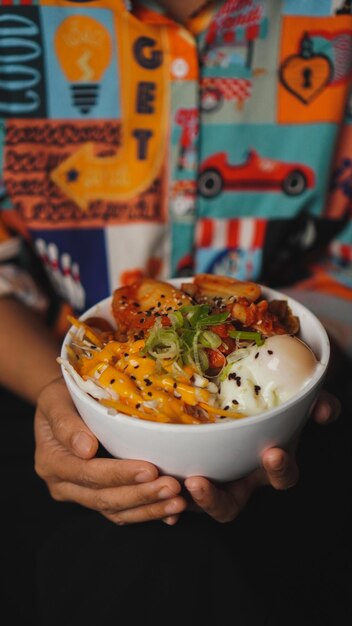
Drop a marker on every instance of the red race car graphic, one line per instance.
(255, 174)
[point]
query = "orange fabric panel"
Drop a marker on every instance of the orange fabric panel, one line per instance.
(307, 91)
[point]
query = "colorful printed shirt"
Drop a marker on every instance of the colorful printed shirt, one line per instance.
(133, 145)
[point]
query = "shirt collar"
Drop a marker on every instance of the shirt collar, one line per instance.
(150, 12)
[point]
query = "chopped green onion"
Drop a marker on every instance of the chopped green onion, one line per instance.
(194, 308)
(211, 320)
(200, 357)
(176, 319)
(162, 343)
(209, 339)
(225, 371)
(247, 335)
(203, 360)
(187, 337)
(195, 313)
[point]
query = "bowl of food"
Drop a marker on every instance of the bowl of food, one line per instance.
(198, 376)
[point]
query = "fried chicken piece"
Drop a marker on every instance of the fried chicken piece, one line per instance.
(210, 287)
(136, 307)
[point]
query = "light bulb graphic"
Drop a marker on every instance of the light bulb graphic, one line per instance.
(83, 47)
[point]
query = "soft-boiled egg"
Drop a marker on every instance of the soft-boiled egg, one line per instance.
(267, 375)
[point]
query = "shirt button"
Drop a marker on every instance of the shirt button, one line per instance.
(179, 68)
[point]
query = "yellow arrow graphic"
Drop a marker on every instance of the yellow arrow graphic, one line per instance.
(144, 86)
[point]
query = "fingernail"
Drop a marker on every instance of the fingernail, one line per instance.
(329, 412)
(325, 413)
(145, 476)
(277, 464)
(82, 443)
(170, 520)
(165, 492)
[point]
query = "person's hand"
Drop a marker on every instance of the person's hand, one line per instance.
(279, 469)
(125, 492)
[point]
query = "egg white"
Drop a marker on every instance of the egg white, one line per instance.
(268, 375)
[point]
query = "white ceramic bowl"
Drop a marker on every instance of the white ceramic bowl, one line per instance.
(221, 451)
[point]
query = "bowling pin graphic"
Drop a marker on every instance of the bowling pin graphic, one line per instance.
(80, 293)
(48, 263)
(67, 279)
(40, 246)
(54, 268)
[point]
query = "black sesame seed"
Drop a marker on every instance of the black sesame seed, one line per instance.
(257, 388)
(256, 356)
(175, 385)
(138, 405)
(234, 402)
(148, 382)
(112, 381)
(133, 377)
(226, 408)
(150, 393)
(270, 352)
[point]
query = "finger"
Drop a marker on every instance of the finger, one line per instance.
(155, 500)
(97, 473)
(54, 463)
(222, 503)
(281, 468)
(327, 408)
(171, 520)
(151, 513)
(66, 426)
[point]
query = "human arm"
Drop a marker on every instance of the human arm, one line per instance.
(28, 350)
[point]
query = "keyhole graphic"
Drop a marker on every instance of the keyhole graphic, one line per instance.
(307, 78)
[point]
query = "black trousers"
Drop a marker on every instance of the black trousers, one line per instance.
(287, 559)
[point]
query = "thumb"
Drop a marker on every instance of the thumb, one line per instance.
(57, 419)
(327, 408)
(281, 468)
